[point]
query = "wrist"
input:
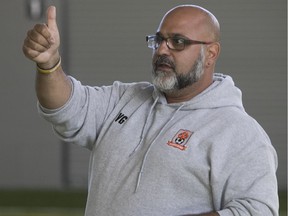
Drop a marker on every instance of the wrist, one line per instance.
(49, 70)
(50, 63)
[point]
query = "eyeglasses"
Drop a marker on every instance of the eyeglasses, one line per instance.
(173, 43)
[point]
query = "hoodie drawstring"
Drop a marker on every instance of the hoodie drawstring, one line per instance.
(145, 126)
(151, 144)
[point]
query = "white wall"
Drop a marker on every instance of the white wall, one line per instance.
(29, 152)
(106, 41)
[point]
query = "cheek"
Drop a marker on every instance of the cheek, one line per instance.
(183, 65)
(186, 61)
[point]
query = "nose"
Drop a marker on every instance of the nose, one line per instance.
(163, 48)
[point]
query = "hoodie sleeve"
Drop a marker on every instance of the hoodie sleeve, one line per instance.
(248, 172)
(81, 118)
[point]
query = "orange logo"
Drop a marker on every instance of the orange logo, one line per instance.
(180, 139)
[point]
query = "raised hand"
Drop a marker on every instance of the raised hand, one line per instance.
(42, 42)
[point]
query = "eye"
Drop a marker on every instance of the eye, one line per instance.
(178, 41)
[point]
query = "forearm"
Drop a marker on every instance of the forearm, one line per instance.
(53, 89)
(41, 45)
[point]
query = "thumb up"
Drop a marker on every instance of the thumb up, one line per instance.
(52, 23)
(42, 42)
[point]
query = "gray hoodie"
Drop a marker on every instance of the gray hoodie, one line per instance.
(152, 158)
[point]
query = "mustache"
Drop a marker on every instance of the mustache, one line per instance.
(163, 60)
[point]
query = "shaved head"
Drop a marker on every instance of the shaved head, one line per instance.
(201, 18)
(182, 74)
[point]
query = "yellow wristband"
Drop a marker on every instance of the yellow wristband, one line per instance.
(51, 70)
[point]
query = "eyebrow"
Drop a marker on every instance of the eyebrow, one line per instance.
(177, 35)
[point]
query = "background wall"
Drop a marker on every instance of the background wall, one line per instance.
(103, 41)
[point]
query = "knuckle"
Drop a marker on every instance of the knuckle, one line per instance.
(39, 27)
(26, 52)
(42, 29)
(32, 35)
(30, 53)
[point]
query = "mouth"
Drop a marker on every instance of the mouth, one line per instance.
(163, 67)
(164, 64)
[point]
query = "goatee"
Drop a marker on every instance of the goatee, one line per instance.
(171, 81)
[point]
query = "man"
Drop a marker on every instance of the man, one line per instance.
(182, 146)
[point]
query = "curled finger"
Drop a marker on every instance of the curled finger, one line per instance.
(35, 46)
(38, 38)
(30, 53)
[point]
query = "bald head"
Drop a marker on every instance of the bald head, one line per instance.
(194, 19)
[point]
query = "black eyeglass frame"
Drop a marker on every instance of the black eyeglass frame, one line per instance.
(185, 42)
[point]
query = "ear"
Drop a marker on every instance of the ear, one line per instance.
(212, 54)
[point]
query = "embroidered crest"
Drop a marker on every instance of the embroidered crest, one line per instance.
(180, 139)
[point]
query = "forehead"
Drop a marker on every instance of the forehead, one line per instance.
(183, 21)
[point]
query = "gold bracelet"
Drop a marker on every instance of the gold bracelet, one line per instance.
(51, 70)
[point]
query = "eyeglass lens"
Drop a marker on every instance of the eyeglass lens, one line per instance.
(172, 43)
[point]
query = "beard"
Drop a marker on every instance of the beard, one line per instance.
(174, 81)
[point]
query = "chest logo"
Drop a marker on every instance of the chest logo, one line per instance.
(121, 118)
(180, 139)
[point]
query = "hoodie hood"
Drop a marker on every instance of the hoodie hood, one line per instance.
(221, 93)
(134, 168)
